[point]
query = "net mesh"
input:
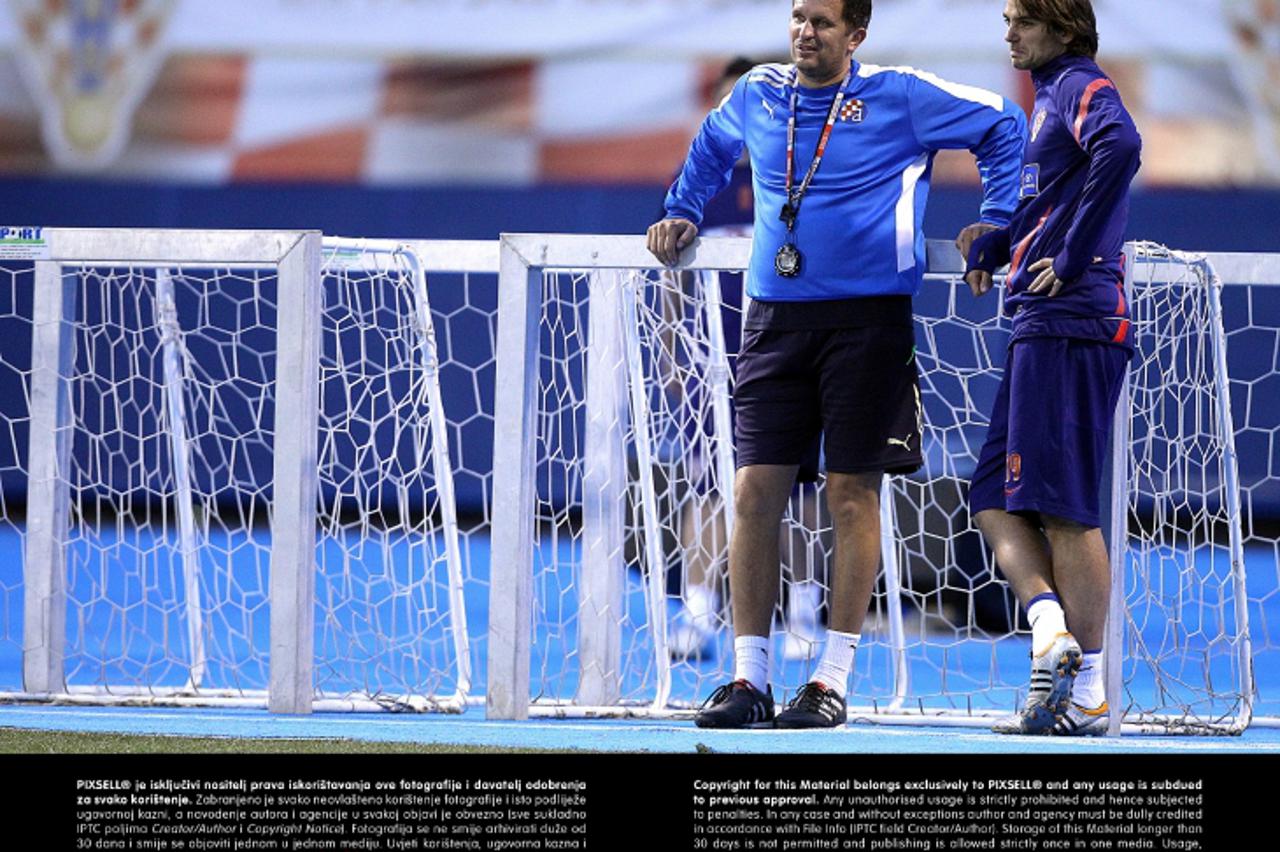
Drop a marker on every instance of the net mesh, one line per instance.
(151, 601)
(384, 590)
(944, 634)
(1184, 585)
(949, 608)
(168, 582)
(15, 432)
(173, 418)
(1251, 316)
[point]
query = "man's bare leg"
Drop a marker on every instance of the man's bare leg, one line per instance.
(1021, 551)
(1082, 575)
(760, 496)
(1035, 562)
(853, 500)
(854, 503)
(1066, 559)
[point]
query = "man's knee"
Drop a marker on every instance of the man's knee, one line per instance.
(851, 496)
(760, 492)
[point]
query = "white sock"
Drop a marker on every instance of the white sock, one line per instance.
(1089, 690)
(751, 661)
(1047, 621)
(701, 604)
(803, 603)
(837, 660)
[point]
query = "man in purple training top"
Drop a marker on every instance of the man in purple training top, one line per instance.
(1035, 491)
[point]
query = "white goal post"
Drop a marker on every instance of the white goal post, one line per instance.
(239, 459)
(587, 434)
(296, 256)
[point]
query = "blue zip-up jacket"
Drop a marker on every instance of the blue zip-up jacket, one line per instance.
(859, 228)
(1073, 207)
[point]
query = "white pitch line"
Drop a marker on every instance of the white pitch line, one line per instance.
(481, 729)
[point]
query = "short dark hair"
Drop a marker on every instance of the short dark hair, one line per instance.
(856, 13)
(1072, 18)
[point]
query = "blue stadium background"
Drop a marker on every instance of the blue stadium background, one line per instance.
(1224, 220)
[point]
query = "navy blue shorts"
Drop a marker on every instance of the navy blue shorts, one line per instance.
(853, 392)
(1047, 445)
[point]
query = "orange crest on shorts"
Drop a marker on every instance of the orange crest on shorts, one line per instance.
(1013, 467)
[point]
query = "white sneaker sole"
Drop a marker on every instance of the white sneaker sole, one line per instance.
(1081, 722)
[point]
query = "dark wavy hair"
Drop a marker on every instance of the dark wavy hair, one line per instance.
(1073, 18)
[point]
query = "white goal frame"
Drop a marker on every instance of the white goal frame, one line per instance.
(300, 260)
(524, 258)
(1216, 270)
(296, 255)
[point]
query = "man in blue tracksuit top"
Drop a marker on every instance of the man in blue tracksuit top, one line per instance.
(841, 154)
(1036, 486)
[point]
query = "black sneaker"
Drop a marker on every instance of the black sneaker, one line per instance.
(736, 705)
(816, 705)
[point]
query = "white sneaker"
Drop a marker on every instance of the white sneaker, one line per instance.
(1011, 724)
(1082, 722)
(1053, 671)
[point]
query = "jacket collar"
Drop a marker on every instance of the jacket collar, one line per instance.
(1049, 71)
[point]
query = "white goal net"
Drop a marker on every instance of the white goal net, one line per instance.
(317, 473)
(240, 486)
(616, 378)
(1180, 606)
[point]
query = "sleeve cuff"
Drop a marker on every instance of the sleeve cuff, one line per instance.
(996, 217)
(989, 252)
(678, 213)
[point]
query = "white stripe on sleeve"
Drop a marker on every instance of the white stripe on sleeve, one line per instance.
(904, 214)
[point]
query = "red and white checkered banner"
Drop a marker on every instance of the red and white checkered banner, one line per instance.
(530, 29)
(522, 91)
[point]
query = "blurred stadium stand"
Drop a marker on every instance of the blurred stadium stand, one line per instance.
(456, 120)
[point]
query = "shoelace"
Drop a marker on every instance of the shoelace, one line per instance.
(810, 697)
(723, 691)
